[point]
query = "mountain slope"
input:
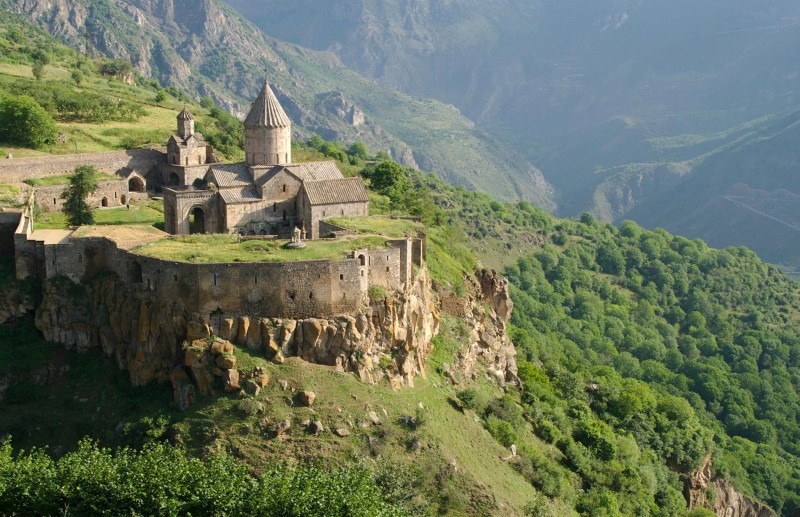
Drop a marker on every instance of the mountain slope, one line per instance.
(581, 88)
(205, 48)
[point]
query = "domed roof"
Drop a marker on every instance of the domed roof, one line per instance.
(267, 111)
(185, 115)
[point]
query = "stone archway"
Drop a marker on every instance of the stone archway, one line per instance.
(104, 202)
(135, 184)
(174, 180)
(197, 220)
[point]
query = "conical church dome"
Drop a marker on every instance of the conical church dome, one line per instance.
(267, 111)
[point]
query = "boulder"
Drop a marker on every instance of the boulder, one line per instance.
(373, 417)
(194, 355)
(231, 379)
(260, 377)
(316, 428)
(307, 398)
(283, 384)
(342, 432)
(252, 388)
(182, 388)
(197, 330)
(221, 347)
(226, 361)
(282, 427)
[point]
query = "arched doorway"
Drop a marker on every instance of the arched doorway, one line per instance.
(174, 180)
(197, 220)
(104, 202)
(135, 184)
(123, 199)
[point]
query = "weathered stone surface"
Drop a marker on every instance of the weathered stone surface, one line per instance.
(231, 379)
(727, 501)
(226, 361)
(316, 428)
(260, 377)
(282, 427)
(182, 389)
(196, 330)
(194, 355)
(252, 388)
(373, 418)
(307, 398)
(220, 347)
(283, 384)
(342, 432)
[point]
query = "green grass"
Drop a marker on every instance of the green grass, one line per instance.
(150, 213)
(51, 181)
(386, 226)
(227, 248)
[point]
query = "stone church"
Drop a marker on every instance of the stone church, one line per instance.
(265, 195)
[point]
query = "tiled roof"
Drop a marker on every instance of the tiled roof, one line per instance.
(331, 192)
(316, 171)
(230, 175)
(267, 111)
(234, 196)
(185, 115)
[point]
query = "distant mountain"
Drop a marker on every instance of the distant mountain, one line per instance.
(207, 49)
(745, 194)
(615, 100)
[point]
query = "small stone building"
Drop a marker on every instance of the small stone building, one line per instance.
(267, 194)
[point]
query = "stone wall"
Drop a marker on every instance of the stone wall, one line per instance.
(113, 193)
(268, 146)
(140, 160)
(312, 215)
(9, 221)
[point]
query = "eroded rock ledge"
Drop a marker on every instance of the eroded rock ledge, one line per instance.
(726, 502)
(387, 337)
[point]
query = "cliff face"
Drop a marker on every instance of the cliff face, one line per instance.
(485, 312)
(385, 338)
(725, 501)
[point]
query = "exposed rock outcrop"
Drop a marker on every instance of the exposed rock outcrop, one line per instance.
(726, 500)
(385, 338)
(486, 311)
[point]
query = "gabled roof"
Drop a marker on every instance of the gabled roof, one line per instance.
(332, 192)
(229, 175)
(315, 171)
(233, 196)
(267, 111)
(185, 115)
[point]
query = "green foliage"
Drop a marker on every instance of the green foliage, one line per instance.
(82, 183)
(656, 346)
(24, 122)
(161, 480)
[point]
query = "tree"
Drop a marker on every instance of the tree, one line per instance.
(77, 76)
(160, 96)
(38, 70)
(359, 150)
(82, 183)
(388, 177)
(24, 122)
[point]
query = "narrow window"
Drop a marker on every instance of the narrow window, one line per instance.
(115, 195)
(175, 277)
(54, 201)
(284, 215)
(215, 279)
(342, 212)
(341, 277)
(274, 207)
(284, 188)
(323, 213)
(310, 296)
(362, 273)
(255, 280)
(80, 258)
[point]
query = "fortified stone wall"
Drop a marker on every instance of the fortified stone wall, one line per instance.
(8, 225)
(139, 160)
(114, 192)
(314, 214)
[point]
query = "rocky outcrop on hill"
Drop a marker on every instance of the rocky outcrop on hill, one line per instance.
(385, 338)
(486, 311)
(726, 501)
(14, 303)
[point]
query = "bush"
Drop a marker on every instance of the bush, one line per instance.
(468, 398)
(24, 122)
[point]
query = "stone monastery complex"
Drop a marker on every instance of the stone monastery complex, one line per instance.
(267, 196)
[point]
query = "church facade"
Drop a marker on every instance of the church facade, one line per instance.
(265, 195)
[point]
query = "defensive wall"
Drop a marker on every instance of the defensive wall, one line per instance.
(108, 194)
(139, 160)
(297, 289)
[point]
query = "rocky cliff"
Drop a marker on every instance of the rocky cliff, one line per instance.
(702, 490)
(389, 337)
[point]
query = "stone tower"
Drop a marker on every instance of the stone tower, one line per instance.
(267, 131)
(185, 124)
